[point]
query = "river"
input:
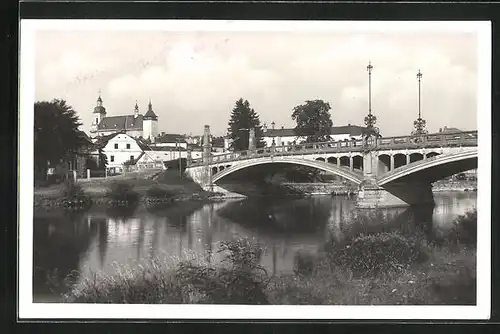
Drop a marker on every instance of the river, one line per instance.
(97, 241)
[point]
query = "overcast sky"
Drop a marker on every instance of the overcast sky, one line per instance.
(194, 78)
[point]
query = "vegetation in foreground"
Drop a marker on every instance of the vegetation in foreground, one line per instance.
(387, 267)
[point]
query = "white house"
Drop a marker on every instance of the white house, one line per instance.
(120, 148)
(287, 136)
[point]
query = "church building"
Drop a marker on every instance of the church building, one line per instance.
(135, 125)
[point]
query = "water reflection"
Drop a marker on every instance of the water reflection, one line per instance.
(97, 240)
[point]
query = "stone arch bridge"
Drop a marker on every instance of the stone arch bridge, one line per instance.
(392, 171)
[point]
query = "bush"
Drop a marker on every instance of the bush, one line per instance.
(465, 229)
(238, 280)
(149, 283)
(159, 193)
(122, 192)
(74, 196)
(378, 254)
(304, 263)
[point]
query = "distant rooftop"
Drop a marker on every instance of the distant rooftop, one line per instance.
(353, 130)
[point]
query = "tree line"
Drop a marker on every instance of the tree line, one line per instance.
(313, 123)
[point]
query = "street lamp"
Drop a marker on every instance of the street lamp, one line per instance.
(370, 119)
(419, 124)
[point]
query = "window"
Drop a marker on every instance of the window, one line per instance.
(112, 158)
(116, 146)
(131, 157)
(128, 146)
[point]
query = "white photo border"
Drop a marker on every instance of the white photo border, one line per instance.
(29, 310)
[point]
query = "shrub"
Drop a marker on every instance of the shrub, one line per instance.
(465, 229)
(159, 193)
(122, 192)
(239, 279)
(148, 283)
(378, 254)
(74, 196)
(304, 263)
(72, 190)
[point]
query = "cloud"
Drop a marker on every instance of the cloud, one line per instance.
(194, 78)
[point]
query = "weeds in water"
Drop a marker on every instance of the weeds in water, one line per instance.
(74, 196)
(122, 193)
(155, 192)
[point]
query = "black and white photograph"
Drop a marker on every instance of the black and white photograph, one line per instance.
(254, 169)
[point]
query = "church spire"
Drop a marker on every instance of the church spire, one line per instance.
(136, 110)
(150, 114)
(99, 99)
(99, 109)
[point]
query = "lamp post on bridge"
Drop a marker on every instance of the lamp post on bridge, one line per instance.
(419, 124)
(370, 120)
(370, 140)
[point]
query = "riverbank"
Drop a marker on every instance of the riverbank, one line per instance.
(386, 267)
(97, 190)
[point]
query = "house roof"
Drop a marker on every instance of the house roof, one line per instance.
(449, 130)
(218, 142)
(170, 138)
(194, 147)
(352, 130)
(166, 148)
(118, 123)
(103, 140)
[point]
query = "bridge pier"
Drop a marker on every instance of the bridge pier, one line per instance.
(370, 195)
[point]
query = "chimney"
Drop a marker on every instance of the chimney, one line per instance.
(162, 133)
(282, 127)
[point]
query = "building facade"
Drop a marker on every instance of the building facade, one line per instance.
(135, 125)
(120, 148)
(287, 136)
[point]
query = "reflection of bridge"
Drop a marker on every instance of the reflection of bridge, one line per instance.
(390, 171)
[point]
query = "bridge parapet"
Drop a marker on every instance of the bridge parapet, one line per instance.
(458, 139)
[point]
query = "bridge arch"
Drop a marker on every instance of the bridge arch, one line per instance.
(431, 154)
(384, 162)
(332, 160)
(320, 159)
(432, 169)
(416, 157)
(353, 176)
(399, 160)
(344, 161)
(357, 162)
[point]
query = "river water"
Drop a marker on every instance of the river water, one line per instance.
(98, 240)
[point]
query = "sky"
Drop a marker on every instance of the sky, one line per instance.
(193, 78)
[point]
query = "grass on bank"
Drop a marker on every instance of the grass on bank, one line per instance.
(167, 183)
(379, 268)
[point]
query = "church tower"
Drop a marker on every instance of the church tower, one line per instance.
(98, 114)
(150, 123)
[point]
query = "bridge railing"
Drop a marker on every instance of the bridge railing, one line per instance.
(465, 138)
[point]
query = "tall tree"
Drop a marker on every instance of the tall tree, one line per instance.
(313, 120)
(56, 134)
(242, 119)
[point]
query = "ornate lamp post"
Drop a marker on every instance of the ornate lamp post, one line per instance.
(370, 119)
(419, 124)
